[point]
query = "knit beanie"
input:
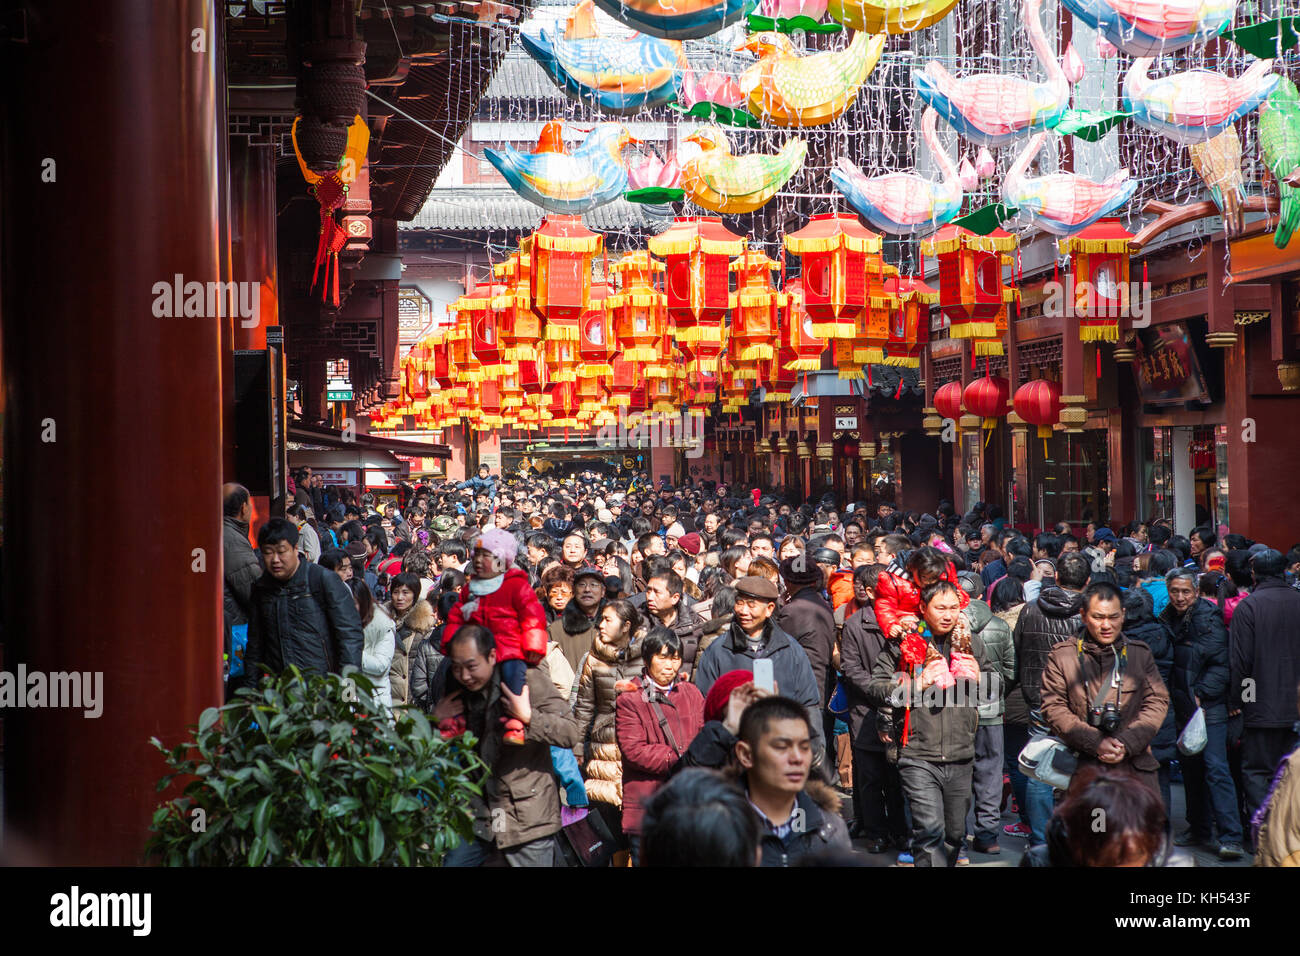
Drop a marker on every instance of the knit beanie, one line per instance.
(502, 544)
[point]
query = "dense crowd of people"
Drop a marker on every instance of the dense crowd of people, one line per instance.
(698, 675)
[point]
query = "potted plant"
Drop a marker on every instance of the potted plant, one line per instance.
(310, 772)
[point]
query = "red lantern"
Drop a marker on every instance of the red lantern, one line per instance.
(947, 400)
(1098, 288)
(909, 320)
(697, 253)
(595, 335)
(989, 398)
(838, 255)
(1039, 403)
(970, 277)
(754, 324)
(562, 249)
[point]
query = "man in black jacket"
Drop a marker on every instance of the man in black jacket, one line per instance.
(808, 618)
(877, 790)
(1201, 680)
(753, 635)
(1044, 623)
(302, 613)
(798, 815)
(1265, 668)
(938, 704)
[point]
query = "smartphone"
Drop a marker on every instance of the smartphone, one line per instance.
(764, 679)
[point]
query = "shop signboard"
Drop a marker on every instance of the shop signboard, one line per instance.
(1168, 370)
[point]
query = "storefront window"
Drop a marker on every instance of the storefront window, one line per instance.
(1221, 467)
(971, 455)
(1068, 478)
(1157, 476)
(884, 484)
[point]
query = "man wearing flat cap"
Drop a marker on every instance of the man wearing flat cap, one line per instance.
(754, 634)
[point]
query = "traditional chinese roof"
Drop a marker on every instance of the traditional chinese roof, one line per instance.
(470, 209)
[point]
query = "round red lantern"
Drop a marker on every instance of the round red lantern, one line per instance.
(1039, 403)
(947, 400)
(989, 398)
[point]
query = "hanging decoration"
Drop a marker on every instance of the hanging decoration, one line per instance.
(697, 253)
(785, 88)
(837, 255)
(560, 280)
(564, 182)
(755, 319)
(1039, 403)
(621, 76)
(1279, 143)
(676, 19)
(970, 278)
(792, 16)
(1218, 163)
(639, 310)
(1200, 450)
(714, 97)
(993, 109)
(1154, 27)
(330, 191)
(718, 181)
(948, 399)
(1063, 203)
(904, 203)
(889, 16)
(1099, 267)
(909, 320)
(1195, 105)
(989, 398)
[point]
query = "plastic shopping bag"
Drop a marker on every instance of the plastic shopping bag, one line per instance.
(1192, 739)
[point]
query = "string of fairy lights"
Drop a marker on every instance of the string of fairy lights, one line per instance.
(880, 131)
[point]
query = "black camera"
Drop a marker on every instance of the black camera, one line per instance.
(1106, 719)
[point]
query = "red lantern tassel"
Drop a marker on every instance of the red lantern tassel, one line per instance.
(1098, 354)
(335, 286)
(900, 387)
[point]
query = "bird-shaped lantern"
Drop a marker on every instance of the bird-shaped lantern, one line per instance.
(889, 16)
(904, 203)
(1099, 264)
(1154, 27)
(992, 108)
(718, 181)
(676, 19)
(1279, 142)
(1195, 105)
(837, 254)
(1063, 203)
(786, 88)
(621, 76)
(697, 253)
(567, 182)
(970, 278)
(330, 191)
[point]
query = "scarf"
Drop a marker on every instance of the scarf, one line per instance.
(479, 587)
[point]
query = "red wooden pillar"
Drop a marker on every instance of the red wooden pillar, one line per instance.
(111, 191)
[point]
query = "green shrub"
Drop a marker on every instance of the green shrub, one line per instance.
(304, 772)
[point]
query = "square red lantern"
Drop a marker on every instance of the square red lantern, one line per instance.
(970, 277)
(1097, 290)
(909, 320)
(837, 254)
(562, 250)
(697, 253)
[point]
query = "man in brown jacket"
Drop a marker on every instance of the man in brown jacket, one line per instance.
(1115, 727)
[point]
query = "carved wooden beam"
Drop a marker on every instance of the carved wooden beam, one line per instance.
(1168, 216)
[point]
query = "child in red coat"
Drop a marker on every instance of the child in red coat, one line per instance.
(898, 600)
(500, 598)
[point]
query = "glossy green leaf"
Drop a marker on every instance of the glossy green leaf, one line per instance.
(654, 195)
(984, 220)
(718, 113)
(261, 815)
(1261, 39)
(1088, 125)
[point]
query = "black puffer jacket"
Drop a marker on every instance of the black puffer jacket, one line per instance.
(808, 618)
(861, 642)
(309, 620)
(1043, 624)
(1266, 651)
(1200, 658)
(1141, 625)
(821, 829)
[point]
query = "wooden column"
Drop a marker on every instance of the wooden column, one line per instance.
(111, 189)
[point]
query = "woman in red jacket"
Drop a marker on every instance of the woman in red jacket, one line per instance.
(500, 597)
(656, 721)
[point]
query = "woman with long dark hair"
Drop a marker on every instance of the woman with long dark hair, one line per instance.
(380, 641)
